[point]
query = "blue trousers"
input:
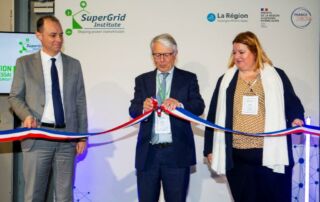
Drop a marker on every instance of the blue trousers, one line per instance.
(161, 170)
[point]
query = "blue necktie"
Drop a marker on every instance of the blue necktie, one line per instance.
(56, 95)
(161, 95)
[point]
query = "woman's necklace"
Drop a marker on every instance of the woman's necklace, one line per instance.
(251, 83)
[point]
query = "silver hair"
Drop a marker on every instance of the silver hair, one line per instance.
(166, 40)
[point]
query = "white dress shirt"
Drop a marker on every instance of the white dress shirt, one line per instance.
(48, 113)
(163, 137)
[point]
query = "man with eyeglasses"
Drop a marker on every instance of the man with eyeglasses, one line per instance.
(165, 147)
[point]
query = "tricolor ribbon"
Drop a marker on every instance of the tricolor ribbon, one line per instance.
(41, 133)
(188, 116)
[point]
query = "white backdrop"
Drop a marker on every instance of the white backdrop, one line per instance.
(113, 54)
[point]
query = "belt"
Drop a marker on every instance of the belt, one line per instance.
(162, 145)
(52, 125)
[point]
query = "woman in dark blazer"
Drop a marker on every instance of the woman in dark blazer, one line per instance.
(253, 96)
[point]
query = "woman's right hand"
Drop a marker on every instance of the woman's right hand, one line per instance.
(209, 158)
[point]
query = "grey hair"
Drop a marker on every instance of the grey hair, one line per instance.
(167, 40)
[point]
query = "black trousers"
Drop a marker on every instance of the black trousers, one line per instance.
(249, 181)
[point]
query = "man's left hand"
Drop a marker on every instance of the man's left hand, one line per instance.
(81, 146)
(171, 104)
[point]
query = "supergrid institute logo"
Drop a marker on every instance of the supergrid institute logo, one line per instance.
(27, 47)
(85, 21)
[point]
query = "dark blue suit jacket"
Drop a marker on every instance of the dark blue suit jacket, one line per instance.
(185, 89)
(293, 110)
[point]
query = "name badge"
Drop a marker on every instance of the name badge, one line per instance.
(162, 124)
(250, 105)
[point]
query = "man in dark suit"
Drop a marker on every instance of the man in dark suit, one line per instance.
(165, 146)
(48, 92)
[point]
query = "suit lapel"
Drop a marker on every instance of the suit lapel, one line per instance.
(151, 84)
(38, 74)
(65, 76)
(176, 82)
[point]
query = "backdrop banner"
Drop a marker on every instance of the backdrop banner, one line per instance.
(112, 38)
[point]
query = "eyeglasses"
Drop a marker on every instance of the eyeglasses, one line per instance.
(164, 55)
